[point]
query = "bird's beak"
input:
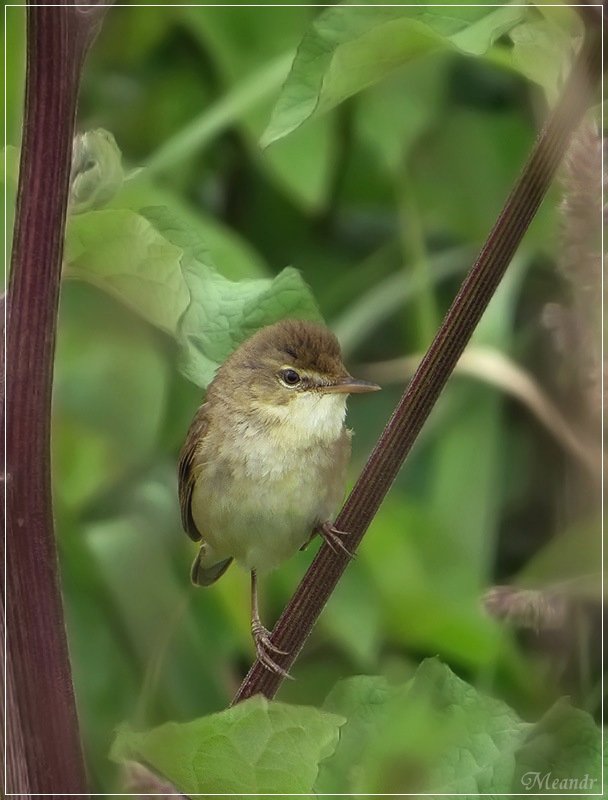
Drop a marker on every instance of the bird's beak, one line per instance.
(350, 385)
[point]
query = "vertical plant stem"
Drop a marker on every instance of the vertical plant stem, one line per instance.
(43, 743)
(397, 439)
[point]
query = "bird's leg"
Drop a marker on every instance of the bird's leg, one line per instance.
(261, 635)
(333, 537)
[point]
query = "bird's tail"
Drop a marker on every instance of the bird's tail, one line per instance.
(204, 574)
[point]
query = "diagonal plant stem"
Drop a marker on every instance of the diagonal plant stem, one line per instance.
(43, 748)
(298, 618)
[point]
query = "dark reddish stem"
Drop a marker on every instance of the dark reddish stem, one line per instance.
(43, 744)
(298, 618)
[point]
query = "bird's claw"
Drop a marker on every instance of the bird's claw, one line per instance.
(261, 638)
(261, 635)
(333, 537)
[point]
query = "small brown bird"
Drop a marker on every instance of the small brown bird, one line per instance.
(264, 464)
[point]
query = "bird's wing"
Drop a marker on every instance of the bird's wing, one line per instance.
(187, 471)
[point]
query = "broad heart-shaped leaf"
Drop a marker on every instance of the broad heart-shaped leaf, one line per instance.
(348, 48)
(235, 257)
(255, 747)
(121, 252)
(437, 734)
(364, 700)
(157, 265)
(223, 313)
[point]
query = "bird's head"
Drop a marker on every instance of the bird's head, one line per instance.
(293, 372)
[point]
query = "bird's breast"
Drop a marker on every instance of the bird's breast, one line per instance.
(267, 486)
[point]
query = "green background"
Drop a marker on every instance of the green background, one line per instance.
(381, 203)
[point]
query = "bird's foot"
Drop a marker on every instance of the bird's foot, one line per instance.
(261, 638)
(333, 537)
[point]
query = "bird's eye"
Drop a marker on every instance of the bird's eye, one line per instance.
(290, 377)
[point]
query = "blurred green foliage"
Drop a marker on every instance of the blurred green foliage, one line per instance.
(387, 182)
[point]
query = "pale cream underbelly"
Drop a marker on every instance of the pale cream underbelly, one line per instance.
(258, 500)
(260, 523)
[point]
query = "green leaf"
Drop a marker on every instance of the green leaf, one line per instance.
(235, 257)
(394, 114)
(485, 734)
(302, 165)
(433, 733)
(256, 746)
(364, 700)
(542, 52)
(565, 749)
(157, 265)
(222, 313)
(436, 733)
(349, 48)
(121, 252)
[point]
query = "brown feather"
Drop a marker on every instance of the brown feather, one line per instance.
(187, 470)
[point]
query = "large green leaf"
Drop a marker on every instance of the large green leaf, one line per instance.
(222, 313)
(364, 700)
(256, 746)
(157, 265)
(302, 165)
(438, 734)
(348, 48)
(392, 115)
(121, 252)
(234, 256)
(561, 753)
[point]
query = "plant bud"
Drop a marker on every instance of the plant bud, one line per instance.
(97, 172)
